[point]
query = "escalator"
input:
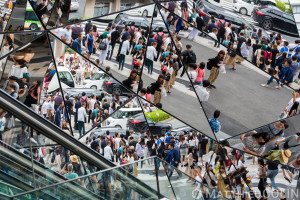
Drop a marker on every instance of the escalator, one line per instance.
(17, 170)
(56, 134)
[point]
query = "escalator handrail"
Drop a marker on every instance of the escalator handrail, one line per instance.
(86, 176)
(29, 159)
(37, 122)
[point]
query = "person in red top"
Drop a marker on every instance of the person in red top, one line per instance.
(159, 38)
(200, 73)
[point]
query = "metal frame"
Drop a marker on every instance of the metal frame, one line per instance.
(57, 134)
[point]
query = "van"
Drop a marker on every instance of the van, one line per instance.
(120, 117)
(65, 77)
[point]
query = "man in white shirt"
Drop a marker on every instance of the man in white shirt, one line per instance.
(202, 91)
(81, 118)
(108, 154)
(228, 29)
(150, 55)
(213, 34)
(125, 48)
(293, 105)
(66, 34)
(192, 72)
(45, 107)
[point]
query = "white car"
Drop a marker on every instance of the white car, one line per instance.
(119, 118)
(95, 82)
(245, 7)
(145, 11)
(74, 5)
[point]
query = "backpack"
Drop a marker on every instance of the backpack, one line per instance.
(111, 141)
(210, 63)
(82, 100)
(160, 39)
(222, 27)
(132, 32)
(268, 59)
(191, 57)
(152, 89)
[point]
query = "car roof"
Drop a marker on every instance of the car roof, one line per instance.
(82, 89)
(108, 128)
(133, 17)
(62, 69)
(130, 109)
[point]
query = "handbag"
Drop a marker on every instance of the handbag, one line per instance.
(212, 182)
(102, 46)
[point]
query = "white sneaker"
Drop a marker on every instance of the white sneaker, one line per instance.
(278, 86)
(264, 85)
(33, 140)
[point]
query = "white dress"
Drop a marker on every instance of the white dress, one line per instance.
(103, 53)
(194, 32)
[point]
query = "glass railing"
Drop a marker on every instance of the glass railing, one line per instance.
(166, 181)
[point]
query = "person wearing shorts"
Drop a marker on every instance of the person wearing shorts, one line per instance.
(203, 148)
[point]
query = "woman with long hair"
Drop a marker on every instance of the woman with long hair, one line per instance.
(140, 150)
(158, 85)
(183, 148)
(33, 95)
(189, 163)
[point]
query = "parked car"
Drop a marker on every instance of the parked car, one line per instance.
(146, 11)
(245, 7)
(72, 92)
(156, 24)
(65, 77)
(184, 129)
(95, 82)
(112, 86)
(101, 131)
(123, 19)
(207, 10)
(138, 123)
(74, 5)
(271, 17)
(120, 117)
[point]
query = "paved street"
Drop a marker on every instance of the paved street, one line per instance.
(17, 17)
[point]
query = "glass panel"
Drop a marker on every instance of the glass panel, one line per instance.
(112, 184)
(31, 72)
(49, 158)
(74, 12)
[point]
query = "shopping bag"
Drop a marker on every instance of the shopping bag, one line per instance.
(222, 69)
(135, 87)
(163, 92)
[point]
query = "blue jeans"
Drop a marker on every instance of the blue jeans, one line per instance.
(273, 174)
(271, 79)
(197, 82)
(149, 65)
(81, 127)
(121, 61)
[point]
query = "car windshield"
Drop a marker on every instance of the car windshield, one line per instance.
(65, 76)
(96, 76)
(149, 121)
(117, 115)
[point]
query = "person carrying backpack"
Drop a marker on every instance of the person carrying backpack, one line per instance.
(131, 31)
(222, 30)
(188, 56)
(159, 37)
(268, 57)
(214, 65)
